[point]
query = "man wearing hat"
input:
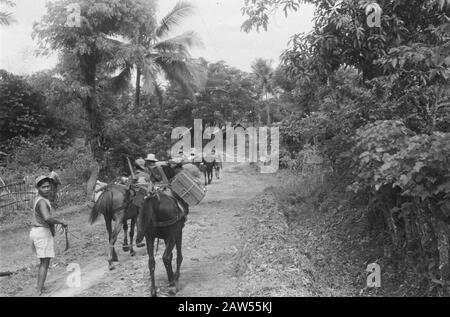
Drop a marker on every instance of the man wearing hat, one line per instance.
(157, 174)
(142, 174)
(43, 231)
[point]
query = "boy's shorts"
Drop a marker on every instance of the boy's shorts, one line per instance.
(42, 242)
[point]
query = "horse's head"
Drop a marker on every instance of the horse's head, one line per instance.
(137, 195)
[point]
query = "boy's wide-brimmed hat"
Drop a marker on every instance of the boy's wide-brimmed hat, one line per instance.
(151, 158)
(39, 180)
(140, 162)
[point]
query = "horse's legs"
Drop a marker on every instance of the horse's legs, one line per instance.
(111, 252)
(113, 240)
(167, 259)
(151, 264)
(178, 243)
(210, 176)
(170, 258)
(171, 254)
(133, 224)
(140, 244)
(125, 246)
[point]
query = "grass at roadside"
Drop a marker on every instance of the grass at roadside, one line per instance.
(295, 249)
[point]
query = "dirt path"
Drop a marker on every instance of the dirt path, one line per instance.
(210, 244)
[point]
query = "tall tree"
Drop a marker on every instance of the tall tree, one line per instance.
(230, 95)
(264, 72)
(91, 47)
(22, 112)
(154, 53)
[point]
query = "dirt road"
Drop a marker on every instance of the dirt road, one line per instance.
(210, 244)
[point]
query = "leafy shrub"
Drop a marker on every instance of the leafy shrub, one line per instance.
(31, 157)
(406, 177)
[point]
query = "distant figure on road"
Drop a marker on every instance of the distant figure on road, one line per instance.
(217, 162)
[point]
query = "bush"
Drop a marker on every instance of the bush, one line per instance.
(405, 179)
(31, 156)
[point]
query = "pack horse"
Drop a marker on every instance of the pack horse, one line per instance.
(157, 215)
(162, 218)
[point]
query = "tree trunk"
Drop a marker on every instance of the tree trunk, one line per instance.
(94, 137)
(269, 121)
(138, 87)
(90, 185)
(95, 142)
(258, 117)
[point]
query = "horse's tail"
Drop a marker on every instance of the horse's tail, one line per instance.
(101, 206)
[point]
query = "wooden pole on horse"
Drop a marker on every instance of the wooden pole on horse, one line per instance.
(131, 168)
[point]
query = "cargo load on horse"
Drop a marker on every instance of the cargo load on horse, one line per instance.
(188, 188)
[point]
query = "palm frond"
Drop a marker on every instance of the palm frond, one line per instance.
(159, 91)
(178, 72)
(181, 42)
(8, 3)
(169, 57)
(181, 11)
(149, 72)
(123, 55)
(199, 75)
(171, 50)
(121, 82)
(6, 18)
(190, 77)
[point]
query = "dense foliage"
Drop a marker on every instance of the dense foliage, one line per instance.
(376, 102)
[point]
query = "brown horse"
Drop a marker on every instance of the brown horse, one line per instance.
(115, 204)
(161, 218)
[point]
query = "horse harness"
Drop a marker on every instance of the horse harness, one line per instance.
(127, 202)
(168, 223)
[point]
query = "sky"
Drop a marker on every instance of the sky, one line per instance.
(217, 22)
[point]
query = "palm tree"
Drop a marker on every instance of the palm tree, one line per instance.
(263, 71)
(153, 53)
(6, 18)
